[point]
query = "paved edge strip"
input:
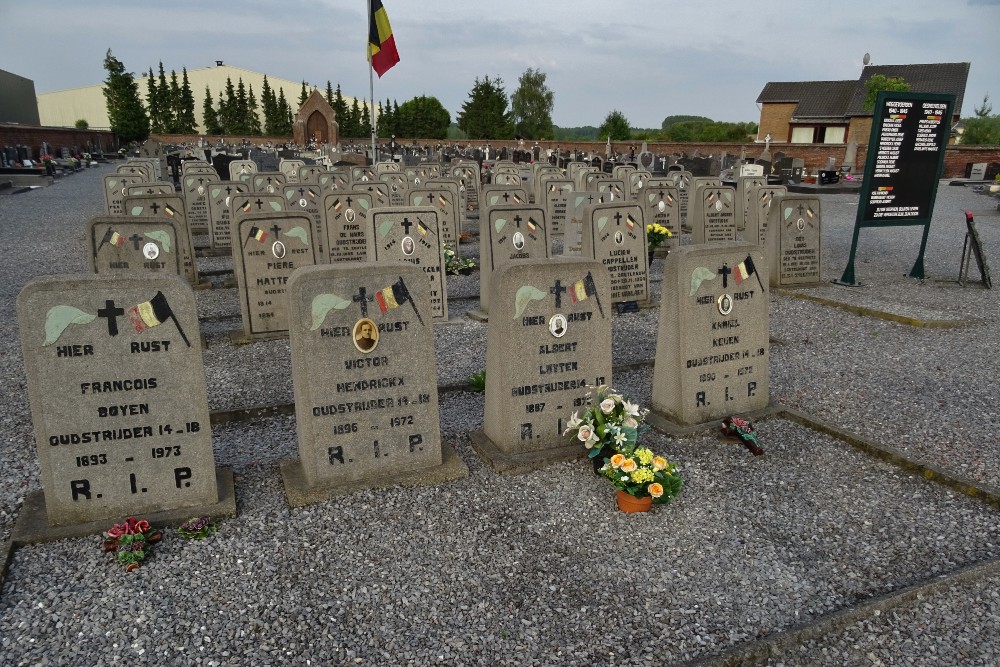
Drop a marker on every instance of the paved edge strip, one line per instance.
(871, 312)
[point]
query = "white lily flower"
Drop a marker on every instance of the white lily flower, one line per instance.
(631, 409)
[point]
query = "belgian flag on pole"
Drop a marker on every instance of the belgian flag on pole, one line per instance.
(381, 44)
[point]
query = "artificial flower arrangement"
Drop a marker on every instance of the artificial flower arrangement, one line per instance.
(656, 234)
(456, 264)
(609, 429)
(131, 542)
(736, 427)
(197, 528)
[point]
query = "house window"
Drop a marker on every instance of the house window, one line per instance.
(802, 135)
(834, 135)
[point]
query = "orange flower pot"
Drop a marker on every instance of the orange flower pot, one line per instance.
(629, 503)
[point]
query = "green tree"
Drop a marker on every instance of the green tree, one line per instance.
(879, 82)
(81, 124)
(186, 121)
(615, 126)
(175, 103)
(121, 93)
(984, 131)
(269, 105)
(339, 109)
(422, 118)
(352, 123)
(242, 109)
(209, 119)
(227, 108)
(984, 109)
(366, 120)
(329, 93)
(253, 115)
(164, 104)
(673, 120)
(153, 104)
(531, 105)
(484, 115)
(304, 95)
(283, 116)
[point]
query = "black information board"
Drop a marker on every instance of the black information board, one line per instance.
(905, 158)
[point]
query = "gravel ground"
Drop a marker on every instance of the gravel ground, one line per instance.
(541, 568)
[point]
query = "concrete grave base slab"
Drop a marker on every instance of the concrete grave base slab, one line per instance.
(477, 316)
(32, 524)
(663, 422)
(238, 337)
(451, 321)
(299, 494)
(503, 463)
(206, 251)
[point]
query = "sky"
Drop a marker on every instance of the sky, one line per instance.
(646, 58)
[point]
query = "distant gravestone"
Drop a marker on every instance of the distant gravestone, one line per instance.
(614, 234)
(168, 207)
(290, 168)
(339, 178)
(267, 248)
(139, 169)
(659, 201)
(220, 199)
(115, 189)
(397, 187)
(713, 215)
(120, 244)
(309, 173)
(761, 197)
(508, 234)
(411, 234)
(268, 182)
(444, 200)
(93, 341)
(614, 187)
(637, 180)
(556, 200)
(712, 341)
(576, 207)
(378, 191)
(793, 241)
(307, 198)
(365, 382)
(502, 195)
(154, 188)
(242, 170)
(346, 223)
(253, 203)
(548, 343)
(744, 202)
(682, 179)
(194, 186)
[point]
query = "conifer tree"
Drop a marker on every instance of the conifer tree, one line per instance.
(126, 114)
(209, 119)
(185, 120)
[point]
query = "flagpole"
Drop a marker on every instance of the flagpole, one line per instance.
(371, 82)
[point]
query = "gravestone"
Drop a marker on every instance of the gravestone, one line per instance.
(576, 206)
(194, 186)
(756, 170)
(744, 200)
(379, 192)
(242, 170)
(267, 248)
(444, 200)
(556, 200)
(154, 188)
(309, 173)
(508, 234)
(115, 189)
(339, 178)
(548, 342)
(253, 203)
(469, 176)
(636, 181)
(118, 244)
(118, 401)
(507, 179)
(365, 382)
(660, 205)
(268, 182)
(363, 175)
(346, 224)
(762, 197)
(168, 207)
(614, 234)
(541, 173)
(411, 234)
(712, 340)
(682, 180)
(220, 199)
(290, 168)
(307, 198)
(143, 170)
(793, 241)
(977, 172)
(713, 215)
(265, 160)
(397, 187)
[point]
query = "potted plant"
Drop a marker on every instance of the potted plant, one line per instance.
(130, 542)
(641, 479)
(609, 428)
(455, 264)
(656, 234)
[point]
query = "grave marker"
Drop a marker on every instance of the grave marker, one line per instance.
(118, 398)
(168, 207)
(220, 198)
(411, 234)
(713, 215)
(793, 241)
(444, 200)
(267, 248)
(508, 234)
(762, 197)
(115, 189)
(346, 224)
(118, 244)
(614, 234)
(549, 339)
(195, 189)
(661, 206)
(712, 341)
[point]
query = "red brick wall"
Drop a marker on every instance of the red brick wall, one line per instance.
(775, 119)
(12, 134)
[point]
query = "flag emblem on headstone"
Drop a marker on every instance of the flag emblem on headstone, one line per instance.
(153, 313)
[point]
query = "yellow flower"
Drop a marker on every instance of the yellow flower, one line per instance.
(655, 489)
(644, 455)
(617, 460)
(659, 463)
(628, 465)
(642, 475)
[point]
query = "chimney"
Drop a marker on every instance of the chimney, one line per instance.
(218, 63)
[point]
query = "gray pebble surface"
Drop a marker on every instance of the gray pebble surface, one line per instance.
(541, 568)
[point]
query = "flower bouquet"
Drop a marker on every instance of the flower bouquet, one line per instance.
(131, 542)
(644, 476)
(610, 424)
(656, 234)
(735, 427)
(455, 264)
(197, 528)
